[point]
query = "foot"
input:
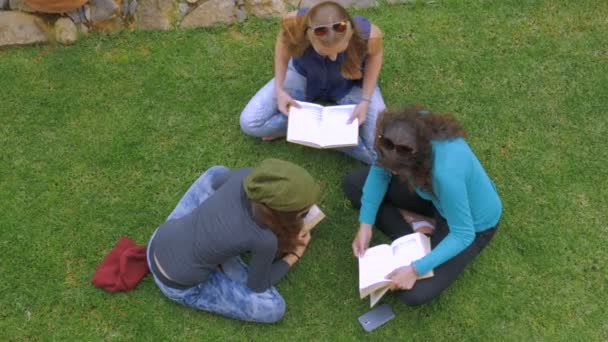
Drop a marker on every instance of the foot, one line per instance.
(424, 229)
(420, 223)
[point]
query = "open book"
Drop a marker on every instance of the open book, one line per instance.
(322, 127)
(379, 261)
(314, 216)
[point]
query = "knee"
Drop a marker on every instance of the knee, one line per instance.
(276, 312)
(248, 125)
(414, 298)
(349, 186)
(352, 185)
(370, 153)
(218, 175)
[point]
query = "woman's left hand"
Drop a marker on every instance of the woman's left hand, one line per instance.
(360, 113)
(303, 239)
(302, 244)
(403, 278)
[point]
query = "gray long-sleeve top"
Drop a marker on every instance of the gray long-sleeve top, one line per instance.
(222, 227)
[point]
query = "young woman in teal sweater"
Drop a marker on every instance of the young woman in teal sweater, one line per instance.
(426, 178)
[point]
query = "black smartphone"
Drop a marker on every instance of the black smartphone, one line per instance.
(376, 317)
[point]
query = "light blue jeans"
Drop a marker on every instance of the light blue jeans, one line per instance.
(261, 117)
(225, 292)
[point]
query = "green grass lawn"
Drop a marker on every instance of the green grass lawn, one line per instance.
(101, 139)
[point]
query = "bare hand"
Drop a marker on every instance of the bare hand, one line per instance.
(284, 101)
(362, 239)
(304, 239)
(302, 243)
(360, 112)
(403, 278)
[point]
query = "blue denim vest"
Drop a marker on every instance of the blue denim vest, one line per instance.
(323, 78)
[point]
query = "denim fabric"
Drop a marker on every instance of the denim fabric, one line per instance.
(365, 150)
(225, 291)
(261, 117)
(200, 190)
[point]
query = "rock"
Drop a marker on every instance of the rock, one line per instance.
(182, 10)
(265, 8)
(113, 25)
(66, 32)
(17, 28)
(344, 3)
(241, 14)
(128, 8)
(292, 5)
(19, 5)
(155, 14)
(83, 30)
(55, 6)
(80, 15)
(210, 13)
(103, 10)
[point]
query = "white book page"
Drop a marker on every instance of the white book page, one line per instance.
(374, 265)
(335, 130)
(314, 216)
(375, 296)
(304, 123)
(313, 212)
(407, 249)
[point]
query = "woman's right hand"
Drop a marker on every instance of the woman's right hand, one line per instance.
(284, 101)
(362, 239)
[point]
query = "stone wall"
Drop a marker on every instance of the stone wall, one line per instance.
(64, 21)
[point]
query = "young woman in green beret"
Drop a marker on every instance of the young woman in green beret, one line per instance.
(195, 255)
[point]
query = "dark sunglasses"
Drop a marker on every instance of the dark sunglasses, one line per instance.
(322, 30)
(388, 144)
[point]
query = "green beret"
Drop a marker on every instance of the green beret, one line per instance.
(282, 186)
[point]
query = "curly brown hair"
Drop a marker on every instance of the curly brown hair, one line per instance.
(286, 225)
(419, 127)
(293, 36)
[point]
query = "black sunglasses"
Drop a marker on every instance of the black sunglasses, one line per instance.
(322, 30)
(388, 144)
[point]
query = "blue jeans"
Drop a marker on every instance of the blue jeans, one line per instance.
(261, 117)
(225, 292)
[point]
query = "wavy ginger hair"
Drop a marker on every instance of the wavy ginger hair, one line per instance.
(294, 36)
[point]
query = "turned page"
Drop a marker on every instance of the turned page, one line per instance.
(334, 127)
(304, 123)
(375, 296)
(374, 265)
(408, 249)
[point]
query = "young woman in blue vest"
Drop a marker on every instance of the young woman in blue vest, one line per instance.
(425, 169)
(321, 53)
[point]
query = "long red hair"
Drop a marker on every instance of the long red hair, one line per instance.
(286, 225)
(293, 35)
